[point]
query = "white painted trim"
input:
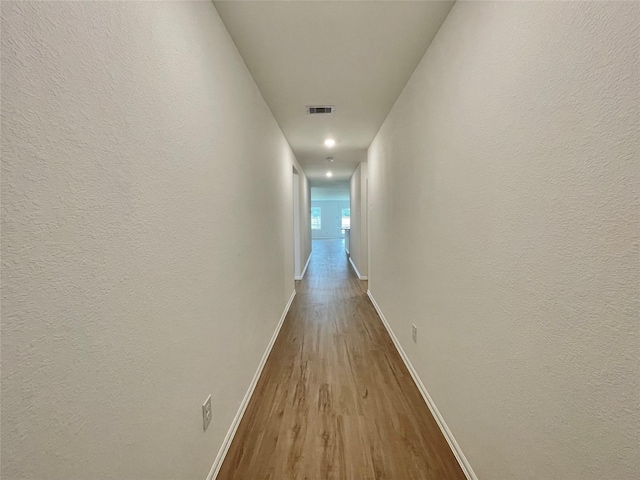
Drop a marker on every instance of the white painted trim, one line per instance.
(305, 268)
(217, 463)
(355, 269)
(455, 448)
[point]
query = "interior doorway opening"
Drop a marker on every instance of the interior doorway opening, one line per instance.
(330, 212)
(297, 254)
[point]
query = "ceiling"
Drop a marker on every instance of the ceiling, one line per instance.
(355, 55)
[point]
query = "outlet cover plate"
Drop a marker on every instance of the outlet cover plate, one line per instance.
(206, 413)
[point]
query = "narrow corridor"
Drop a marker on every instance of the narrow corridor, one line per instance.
(335, 400)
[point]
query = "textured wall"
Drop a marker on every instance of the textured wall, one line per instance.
(147, 249)
(505, 225)
(358, 248)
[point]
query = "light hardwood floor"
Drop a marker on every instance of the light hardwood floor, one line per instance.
(335, 400)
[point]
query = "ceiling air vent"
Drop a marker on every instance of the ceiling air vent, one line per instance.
(321, 109)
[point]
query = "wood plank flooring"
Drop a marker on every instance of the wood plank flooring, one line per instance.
(335, 400)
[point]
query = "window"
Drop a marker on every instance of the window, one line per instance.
(346, 218)
(316, 218)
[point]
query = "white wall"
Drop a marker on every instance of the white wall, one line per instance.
(504, 187)
(146, 211)
(330, 193)
(359, 244)
(331, 218)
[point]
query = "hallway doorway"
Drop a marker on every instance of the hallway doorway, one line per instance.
(297, 263)
(330, 211)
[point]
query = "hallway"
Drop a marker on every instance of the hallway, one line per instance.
(335, 400)
(162, 317)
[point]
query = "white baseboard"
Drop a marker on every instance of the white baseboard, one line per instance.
(217, 463)
(305, 269)
(355, 269)
(455, 448)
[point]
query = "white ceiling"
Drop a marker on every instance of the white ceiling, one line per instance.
(356, 55)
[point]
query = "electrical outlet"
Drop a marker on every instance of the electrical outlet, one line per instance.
(414, 333)
(206, 413)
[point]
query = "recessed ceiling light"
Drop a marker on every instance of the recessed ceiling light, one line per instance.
(329, 174)
(329, 142)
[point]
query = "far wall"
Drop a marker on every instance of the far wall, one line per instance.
(336, 193)
(331, 215)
